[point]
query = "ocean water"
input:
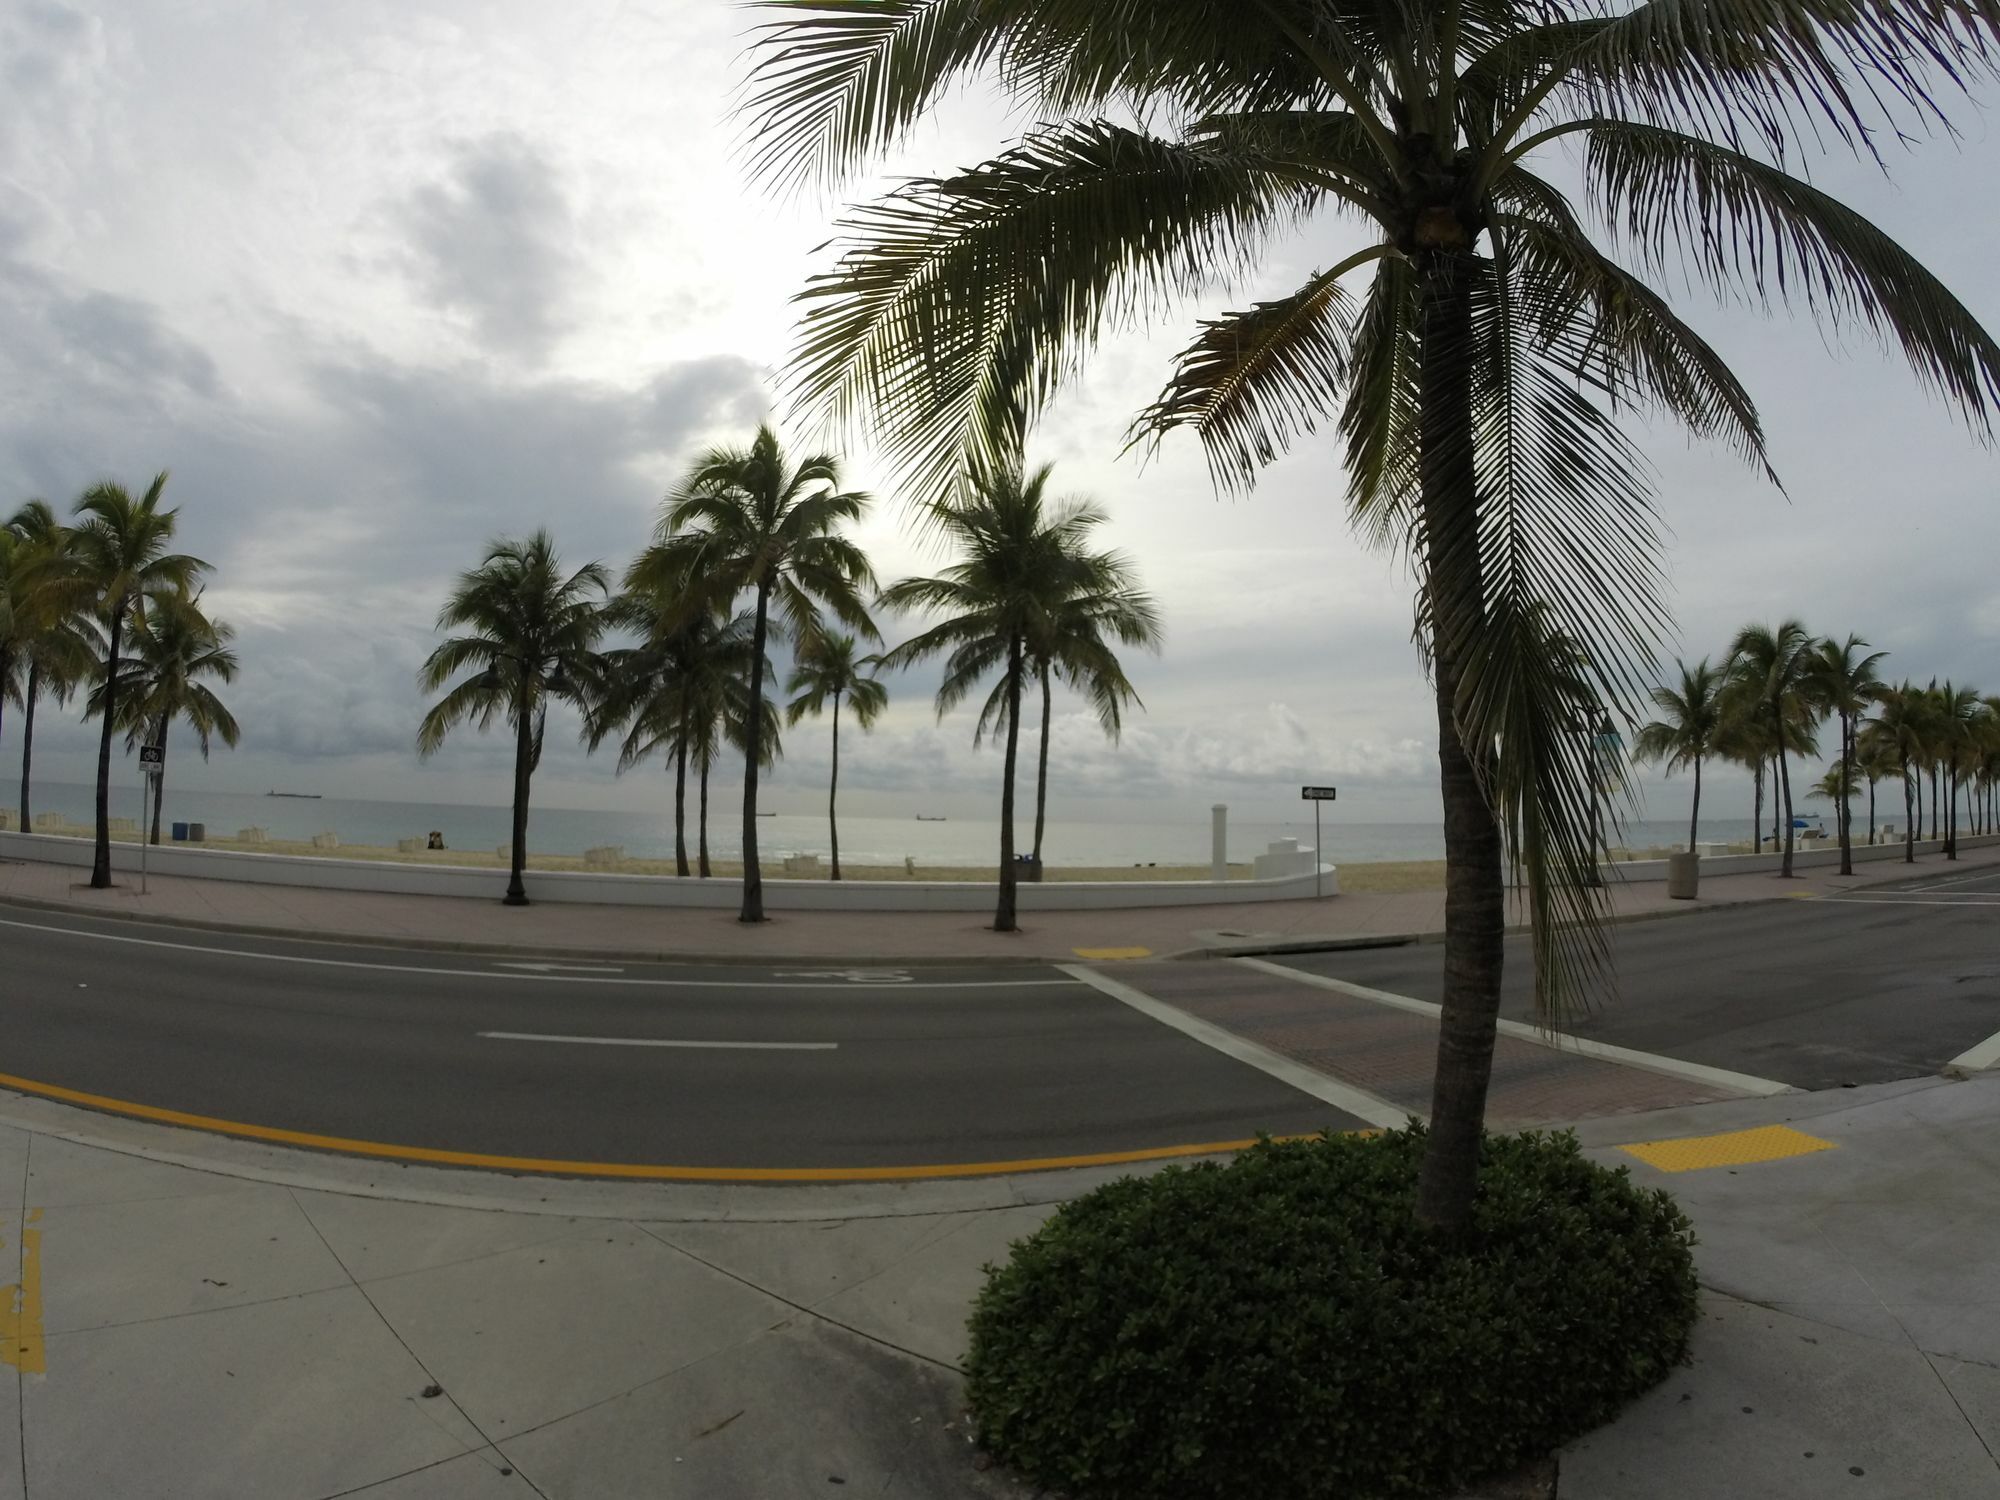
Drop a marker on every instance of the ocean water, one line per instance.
(649, 833)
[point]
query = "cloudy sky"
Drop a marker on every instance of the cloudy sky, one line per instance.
(379, 280)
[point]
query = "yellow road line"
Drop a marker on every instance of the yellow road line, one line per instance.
(21, 1341)
(631, 1170)
(1102, 954)
(1735, 1148)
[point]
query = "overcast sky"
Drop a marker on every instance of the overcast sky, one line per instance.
(382, 279)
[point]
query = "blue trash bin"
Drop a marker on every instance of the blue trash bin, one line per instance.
(180, 833)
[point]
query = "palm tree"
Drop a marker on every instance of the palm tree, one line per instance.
(121, 554)
(1961, 726)
(746, 519)
(1843, 682)
(1475, 381)
(1690, 731)
(1836, 785)
(1020, 559)
(531, 637)
(176, 650)
(55, 635)
(670, 693)
(827, 671)
(1900, 729)
(1876, 759)
(1772, 663)
(1105, 606)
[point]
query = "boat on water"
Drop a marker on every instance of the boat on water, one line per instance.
(928, 818)
(296, 796)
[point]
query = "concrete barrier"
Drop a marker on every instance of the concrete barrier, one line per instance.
(1819, 857)
(595, 887)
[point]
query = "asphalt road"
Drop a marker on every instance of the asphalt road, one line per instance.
(917, 1067)
(1889, 982)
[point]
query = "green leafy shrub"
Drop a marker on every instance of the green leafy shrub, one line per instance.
(1281, 1327)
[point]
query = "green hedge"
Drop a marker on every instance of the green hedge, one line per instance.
(1281, 1327)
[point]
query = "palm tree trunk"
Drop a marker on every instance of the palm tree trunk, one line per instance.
(833, 791)
(100, 868)
(703, 826)
(1003, 915)
(1474, 893)
(1910, 786)
(159, 781)
(681, 802)
(1871, 810)
(524, 736)
(1846, 791)
(1951, 808)
(1757, 809)
(28, 739)
(753, 749)
(1042, 771)
(6, 664)
(1934, 799)
(1694, 818)
(1785, 789)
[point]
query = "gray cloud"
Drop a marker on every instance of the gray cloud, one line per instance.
(496, 242)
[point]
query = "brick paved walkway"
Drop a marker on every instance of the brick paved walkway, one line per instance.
(1390, 1053)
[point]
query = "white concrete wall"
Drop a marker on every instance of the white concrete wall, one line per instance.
(604, 888)
(1818, 857)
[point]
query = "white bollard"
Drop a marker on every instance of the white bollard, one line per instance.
(1218, 864)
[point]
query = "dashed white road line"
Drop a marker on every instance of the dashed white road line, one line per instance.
(646, 1041)
(1652, 1062)
(1363, 1106)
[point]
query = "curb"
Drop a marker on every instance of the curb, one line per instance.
(525, 950)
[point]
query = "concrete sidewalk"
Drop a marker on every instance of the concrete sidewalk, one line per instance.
(850, 937)
(182, 1328)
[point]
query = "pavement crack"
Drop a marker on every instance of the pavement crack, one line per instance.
(808, 1309)
(1959, 1405)
(396, 1334)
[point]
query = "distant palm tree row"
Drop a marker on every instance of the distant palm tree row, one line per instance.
(1778, 686)
(104, 607)
(749, 553)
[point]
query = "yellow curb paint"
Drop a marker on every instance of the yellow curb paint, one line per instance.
(628, 1170)
(21, 1341)
(1105, 954)
(1735, 1148)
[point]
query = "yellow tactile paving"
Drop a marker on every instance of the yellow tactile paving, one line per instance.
(1112, 953)
(1733, 1148)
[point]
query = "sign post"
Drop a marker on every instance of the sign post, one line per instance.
(1316, 795)
(152, 765)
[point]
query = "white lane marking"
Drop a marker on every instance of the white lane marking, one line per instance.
(643, 1041)
(1938, 885)
(1307, 1080)
(348, 963)
(1652, 1062)
(1975, 1059)
(1963, 900)
(562, 968)
(852, 976)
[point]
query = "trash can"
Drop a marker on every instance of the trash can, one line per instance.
(180, 833)
(1683, 876)
(197, 833)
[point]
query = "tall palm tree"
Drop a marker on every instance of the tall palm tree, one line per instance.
(1875, 757)
(671, 692)
(1843, 682)
(1900, 727)
(1961, 724)
(1105, 608)
(1477, 377)
(1020, 557)
(121, 554)
(828, 671)
(746, 519)
(529, 637)
(175, 652)
(56, 638)
(1772, 662)
(1689, 731)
